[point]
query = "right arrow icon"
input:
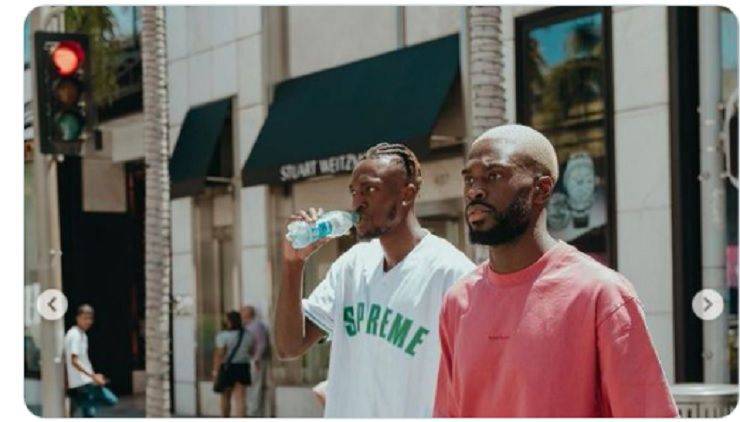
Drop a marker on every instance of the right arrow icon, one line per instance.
(708, 304)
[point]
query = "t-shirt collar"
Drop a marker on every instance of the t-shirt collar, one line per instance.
(526, 274)
(407, 258)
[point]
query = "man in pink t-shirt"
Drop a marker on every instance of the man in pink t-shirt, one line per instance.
(540, 329)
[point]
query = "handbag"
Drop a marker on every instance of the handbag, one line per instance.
(219, 384)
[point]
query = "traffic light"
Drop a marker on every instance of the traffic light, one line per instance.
(64, 100)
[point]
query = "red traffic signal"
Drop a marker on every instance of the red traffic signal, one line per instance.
(67, 57)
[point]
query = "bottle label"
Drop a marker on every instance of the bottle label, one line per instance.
(322, 229)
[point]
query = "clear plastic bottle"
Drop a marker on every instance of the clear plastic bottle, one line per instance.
(331, 224)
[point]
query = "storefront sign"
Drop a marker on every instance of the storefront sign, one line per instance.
(332, 165)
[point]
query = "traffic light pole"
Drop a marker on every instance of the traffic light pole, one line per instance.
(49, 255)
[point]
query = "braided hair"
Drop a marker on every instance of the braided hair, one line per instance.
(402, 152)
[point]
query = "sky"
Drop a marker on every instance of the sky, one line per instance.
(124, 16)
(552, 38)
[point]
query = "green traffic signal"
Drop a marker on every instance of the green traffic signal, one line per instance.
(68, 126)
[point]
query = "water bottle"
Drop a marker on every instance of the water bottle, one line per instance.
(331, 224)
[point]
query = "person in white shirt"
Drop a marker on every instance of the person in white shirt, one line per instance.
(379, 302)
(86, 387)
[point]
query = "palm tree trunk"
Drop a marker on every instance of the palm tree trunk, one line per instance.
(486, 93)
(157, 220)
(486, 68)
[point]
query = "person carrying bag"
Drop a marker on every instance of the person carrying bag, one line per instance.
(231, 376)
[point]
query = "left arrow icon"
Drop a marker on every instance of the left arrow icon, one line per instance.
(51, 304)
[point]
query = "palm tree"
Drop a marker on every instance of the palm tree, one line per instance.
(157, 219)
(486, 79)
(100, 24)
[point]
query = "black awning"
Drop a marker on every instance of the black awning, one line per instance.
(195, 146)
(319, 123)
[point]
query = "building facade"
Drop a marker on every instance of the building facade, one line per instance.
(612, 127)
(612, 87)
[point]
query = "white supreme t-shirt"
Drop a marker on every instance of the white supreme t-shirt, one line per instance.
(383, 327)
(75, 343)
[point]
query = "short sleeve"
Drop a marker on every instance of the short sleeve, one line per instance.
(74, 342)
(319, 306)
(221, 339)
(633, 383)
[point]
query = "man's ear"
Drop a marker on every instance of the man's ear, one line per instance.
(543, 189)
(409, 193)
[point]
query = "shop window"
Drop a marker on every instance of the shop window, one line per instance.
(563, 90)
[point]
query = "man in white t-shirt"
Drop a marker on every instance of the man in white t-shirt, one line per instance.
(379, 303)
(85, 386)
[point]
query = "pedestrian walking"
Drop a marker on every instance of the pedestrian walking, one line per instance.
(231, 372)
(379, 303)
(260, 359)
(540, 329)
(86, 388)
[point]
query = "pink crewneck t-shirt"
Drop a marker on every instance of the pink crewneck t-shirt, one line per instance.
(563, 337)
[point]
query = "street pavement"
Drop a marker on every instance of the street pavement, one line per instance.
(127, 407)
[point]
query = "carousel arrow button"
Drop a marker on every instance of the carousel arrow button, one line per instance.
(708, 304)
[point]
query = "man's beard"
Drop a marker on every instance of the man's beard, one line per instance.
(511, 223)
(376, 232)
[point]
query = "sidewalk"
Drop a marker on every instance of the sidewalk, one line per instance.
(127, 407)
